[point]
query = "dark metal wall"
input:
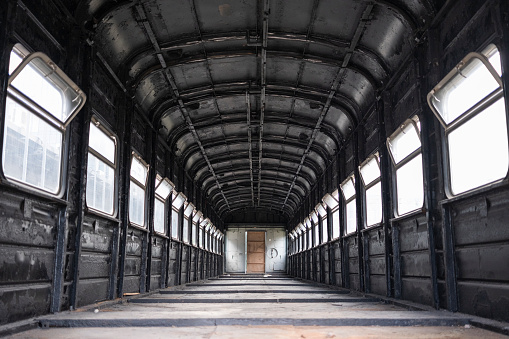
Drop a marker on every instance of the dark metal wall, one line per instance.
(453, 253)
(56, 254)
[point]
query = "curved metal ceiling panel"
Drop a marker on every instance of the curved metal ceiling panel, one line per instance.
(270, 88)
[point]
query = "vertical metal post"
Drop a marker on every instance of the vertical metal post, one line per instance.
(387, 206)
(151, 148)
(125, 125)
(396, 262)
(83, 155)
(360, 212)
(60, 249)
(449, 259)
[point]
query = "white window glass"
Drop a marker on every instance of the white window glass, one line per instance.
(469, 102)
(185, 230)
(200, 237)
(410, 191)
(317, 235)
(324, 230)
(335, 224)
(374, 204)
(348, 188)
(370, 172)
(405, 149)
(100, 185)
(136, 204)
(164, 189)
(404, 142)
(32, 149)
(101, 143)
(175, 224)
(474, 162)
(38, 92)
(100, 170)
(139, 171)
(178, 199)
(193, 234)
(159, 217)
(351, 217)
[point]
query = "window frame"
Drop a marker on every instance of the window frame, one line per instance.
(333, 204)
(136, 156)
(398, 165)
(108, 132)
(370, 185)
(350, 199)
(159, 181)
(175, 213)
(478, 108)
(32, 107)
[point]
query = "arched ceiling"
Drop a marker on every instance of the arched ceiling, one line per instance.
(255, 97)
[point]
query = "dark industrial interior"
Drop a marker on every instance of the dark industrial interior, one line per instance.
(356, 145)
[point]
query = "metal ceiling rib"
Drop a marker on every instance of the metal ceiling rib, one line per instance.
(148, 30)
(335, 86)
(253, 111)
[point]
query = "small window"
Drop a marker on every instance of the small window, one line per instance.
(348, 189)
(178, 200)
(163, 188)
(322, 215)
(370, 174)
(197, 217)
(332, 201)
(139, 172)
(41, 101)
(405, 149)
(101, 167)
(187, 220)
(470, 105)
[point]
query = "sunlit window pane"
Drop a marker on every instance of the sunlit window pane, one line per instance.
(14, 60)
(409, 185)
(404, 143)
(374, 204)
(193, 235)
(32, 148)
(175, 224)
(348, 188)
(136, 204)
(100, 185)
(464, 90)
(185, 231)
(138, 171)
(324, 230)
(351, 217)
(335, 224)
(164, 189)
(200, 237)
(159, 219)
(478, 150)
(101, 143)
(370, 171)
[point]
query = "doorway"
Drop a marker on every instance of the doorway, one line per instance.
(255, 252)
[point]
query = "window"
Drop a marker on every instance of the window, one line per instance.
(187, 220)
(332, 201)
(197, 217)
(348, 189)
(163, 188)
(470, 105)
(322, 213)
(405, 149)
(201, 237)
(139, 172)
(101, 169)
(316, 236)
(370, 174)
(41, 101)
(177, 201)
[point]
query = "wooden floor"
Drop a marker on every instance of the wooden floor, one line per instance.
(254, 306)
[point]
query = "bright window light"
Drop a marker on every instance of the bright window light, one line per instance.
(101, 170)
(164, 189)
(41, 101)
(470, 105)
(405, 149)
(348, 189)
(159, 216)
(137, 191)
(370, 173)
